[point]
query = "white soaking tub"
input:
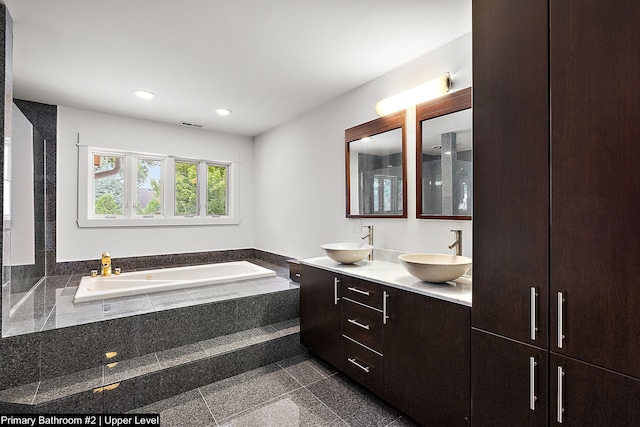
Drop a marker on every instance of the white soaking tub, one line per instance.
(149, 281)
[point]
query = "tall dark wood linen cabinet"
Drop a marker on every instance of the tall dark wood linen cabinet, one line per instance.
(556, 228)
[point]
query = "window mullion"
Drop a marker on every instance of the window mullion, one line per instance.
(169, 187)
(202, 189)
(131, 174)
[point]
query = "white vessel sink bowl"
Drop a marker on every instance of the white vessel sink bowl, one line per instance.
(347, 253)
(435, 268)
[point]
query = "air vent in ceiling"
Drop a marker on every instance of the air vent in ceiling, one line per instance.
(191, 125)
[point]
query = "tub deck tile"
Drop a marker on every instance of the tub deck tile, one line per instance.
(171, 299)
(126, 306)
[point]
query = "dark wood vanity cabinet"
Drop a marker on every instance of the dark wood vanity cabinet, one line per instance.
(511, 212)
(412, 350)
(363, 332)
(591, 396)
(320, 313)
(511, 185)
(426, 360)
(556, 173)
(595, 192)
(509, 382)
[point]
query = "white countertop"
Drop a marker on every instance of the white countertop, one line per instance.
(394, 275)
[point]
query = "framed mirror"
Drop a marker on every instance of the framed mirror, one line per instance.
(444, 157)
(375, 154)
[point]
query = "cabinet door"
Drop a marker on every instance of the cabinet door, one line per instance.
(590, 396)
(595, 181)
(320, 313)
(511, 167)
(508, 382)
(426, 358)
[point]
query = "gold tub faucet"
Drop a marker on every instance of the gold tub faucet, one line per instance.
(106, 264)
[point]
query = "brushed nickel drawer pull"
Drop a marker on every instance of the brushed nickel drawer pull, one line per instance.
(560, 409)
(532, 383)
(534, 328)
(355, 322)
(336, 282)
(385, 295)
(561, 336)
(355, 362)
(360, 291)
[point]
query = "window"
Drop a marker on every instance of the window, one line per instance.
(136, 189)
(387, 194)
(216, 190)
(149, 187)
(108, 185)
(186, 188)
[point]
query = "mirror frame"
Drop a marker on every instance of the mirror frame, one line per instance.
(447, 104)
(368, 129)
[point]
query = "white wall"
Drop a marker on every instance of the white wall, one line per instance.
(110, 131)
(299, 176)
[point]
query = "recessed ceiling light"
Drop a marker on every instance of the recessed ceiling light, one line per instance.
(223, 111)
(144, 94)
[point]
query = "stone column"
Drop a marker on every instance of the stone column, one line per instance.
(449, 157)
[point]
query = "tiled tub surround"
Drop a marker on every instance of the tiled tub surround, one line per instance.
(393, 274)
(50, 305)
(72, 342)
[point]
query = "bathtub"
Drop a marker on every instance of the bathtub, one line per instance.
(149, 281)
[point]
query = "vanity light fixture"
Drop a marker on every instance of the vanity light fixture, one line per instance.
(414, 96)
(223, 111)
(144, 94)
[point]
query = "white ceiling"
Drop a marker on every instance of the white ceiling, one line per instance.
(268, 61)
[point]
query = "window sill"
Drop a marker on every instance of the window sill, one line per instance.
(155, 222)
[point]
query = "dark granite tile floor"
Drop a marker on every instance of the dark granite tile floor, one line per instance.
(300, 391)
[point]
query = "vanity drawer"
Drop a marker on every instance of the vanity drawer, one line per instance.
(368, 293)
(362, 365)
(363, 324)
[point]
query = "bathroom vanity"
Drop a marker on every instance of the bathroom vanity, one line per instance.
(406, 340)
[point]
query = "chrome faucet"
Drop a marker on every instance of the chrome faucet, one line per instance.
(458, 242)
(370, 241)
(106, 264)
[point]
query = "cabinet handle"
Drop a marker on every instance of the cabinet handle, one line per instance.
(336, 281)
(355, 322)
(355, 362)
(360, 291)
(560, 410)
(532, 383)
(385, 295)
(534, 329)
(560, 326)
